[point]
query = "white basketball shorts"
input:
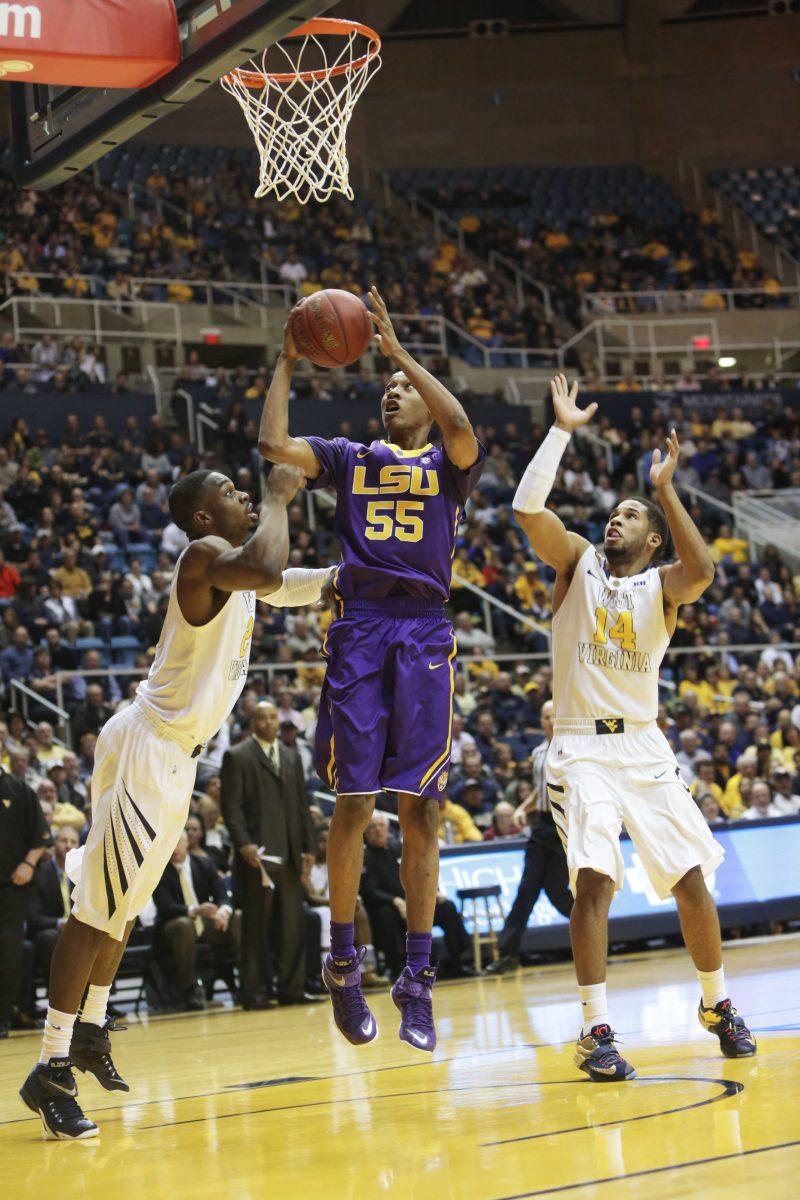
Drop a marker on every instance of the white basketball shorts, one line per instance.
(141, 788)
(598, 781)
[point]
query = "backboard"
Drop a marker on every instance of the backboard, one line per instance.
(58, 131)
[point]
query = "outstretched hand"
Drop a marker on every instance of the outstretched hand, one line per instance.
(568, 415)
(385, 337)
(661, 472)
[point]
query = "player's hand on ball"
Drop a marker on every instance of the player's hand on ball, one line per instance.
(385, 336)
(284, 482)
(661, 472)
(568, 415)
(289, 349)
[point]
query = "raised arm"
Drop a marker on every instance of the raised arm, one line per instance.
(274, 442)
(683, 581)
(546, 532)
(212, 563)
(459, 439)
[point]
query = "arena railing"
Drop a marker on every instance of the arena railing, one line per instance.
(21, 694)
(270, 669)
(599, 304)
(521, 280)
(211, 292)
(614, 338)
(56, 319)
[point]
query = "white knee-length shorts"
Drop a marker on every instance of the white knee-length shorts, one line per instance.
(598, 781)
(141, 788)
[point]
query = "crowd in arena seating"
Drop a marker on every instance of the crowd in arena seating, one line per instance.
(586, 237)
(770, 196)
(87, 552)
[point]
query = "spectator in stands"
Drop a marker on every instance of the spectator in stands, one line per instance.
(193, 908)
(383, 896)
(125, 519)
(783, 796)
(503, 823)
(455, 824)
(9, 577)
(47, 752)
(761, 803)
(16, 661)
(74, 581)
(91, 715)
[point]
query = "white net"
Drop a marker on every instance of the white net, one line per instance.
(298, 106)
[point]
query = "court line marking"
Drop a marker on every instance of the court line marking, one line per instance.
(729, 1088)
(697, 1162)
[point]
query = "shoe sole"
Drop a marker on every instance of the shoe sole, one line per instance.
(607, 1078)
(108, 1087)
(48, 1134)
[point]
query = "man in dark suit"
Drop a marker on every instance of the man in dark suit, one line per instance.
(384, 898)
(264, 806)
(192, 906)
(49, 899)
(23, 838)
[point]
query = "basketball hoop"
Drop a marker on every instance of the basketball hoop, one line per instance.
(299, 114)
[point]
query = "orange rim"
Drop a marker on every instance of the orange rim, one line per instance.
(259, 79)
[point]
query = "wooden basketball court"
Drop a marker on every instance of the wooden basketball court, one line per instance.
(277, 1105)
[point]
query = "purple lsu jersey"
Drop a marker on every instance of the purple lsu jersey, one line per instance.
(397, 513)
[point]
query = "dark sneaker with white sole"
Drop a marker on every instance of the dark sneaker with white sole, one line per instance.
(90, 1050)
(342, 978)
(735, 1039)
(413, 995)
(596, 1054)
(50, 1090)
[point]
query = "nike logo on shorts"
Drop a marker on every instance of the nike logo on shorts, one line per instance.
(662, 773)
(434, 666)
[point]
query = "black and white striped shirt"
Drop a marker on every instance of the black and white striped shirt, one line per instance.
(538, 760)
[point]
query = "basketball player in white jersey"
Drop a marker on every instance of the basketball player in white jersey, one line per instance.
(614, 614)
(146, 761)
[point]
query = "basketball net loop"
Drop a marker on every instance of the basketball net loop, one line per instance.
(299, 116)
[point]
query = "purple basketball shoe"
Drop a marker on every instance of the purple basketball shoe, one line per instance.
(413, 995)
(342, 978)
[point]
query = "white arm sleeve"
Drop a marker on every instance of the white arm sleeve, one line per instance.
(299, 587)
(535, 485)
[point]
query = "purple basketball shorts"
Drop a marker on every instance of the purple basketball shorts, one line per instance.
(386, 712)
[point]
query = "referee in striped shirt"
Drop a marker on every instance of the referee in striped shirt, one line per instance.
(545, 860)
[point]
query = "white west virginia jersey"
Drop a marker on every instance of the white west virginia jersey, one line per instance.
(609, 638)
(199, 670)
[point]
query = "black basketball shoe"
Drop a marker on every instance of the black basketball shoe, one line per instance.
(90, 1050)
(50, 1091)
(735, 1039)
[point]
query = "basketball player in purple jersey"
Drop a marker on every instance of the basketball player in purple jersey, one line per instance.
(386, 711)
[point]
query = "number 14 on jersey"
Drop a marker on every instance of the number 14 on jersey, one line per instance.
(621, 631)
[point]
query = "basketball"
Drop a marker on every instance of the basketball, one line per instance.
(332, 328)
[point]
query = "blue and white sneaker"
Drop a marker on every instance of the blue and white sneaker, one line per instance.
(735, 1039)
(413, 995)
(342, 978)
(597, 1055)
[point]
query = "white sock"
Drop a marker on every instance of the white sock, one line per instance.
(713, 985)
(594, 1006)
(57, 1035)
(95, 1004)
